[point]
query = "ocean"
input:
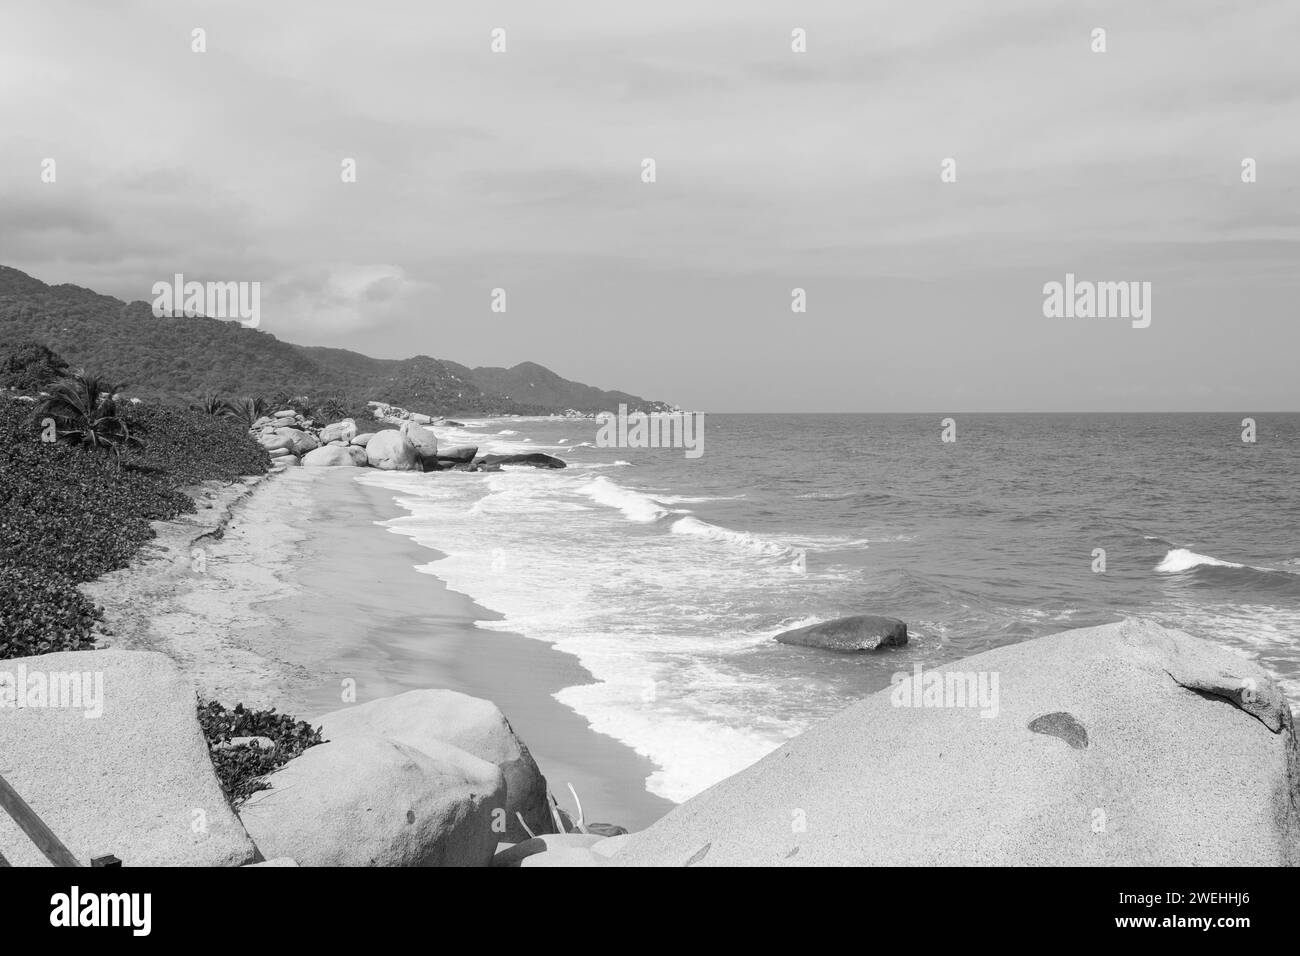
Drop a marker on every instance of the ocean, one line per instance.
(668, 577)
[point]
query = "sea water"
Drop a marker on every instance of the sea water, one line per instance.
(669, 577)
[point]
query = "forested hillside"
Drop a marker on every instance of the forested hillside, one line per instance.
(185, 357)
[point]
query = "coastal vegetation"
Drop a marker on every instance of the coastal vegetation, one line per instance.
(245, 745)
(82, 475)
(178, 358)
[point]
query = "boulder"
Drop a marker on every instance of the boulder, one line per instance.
(362, 439)
(134, 781)
(428, 719)
(285, 461)
(276, 442)
(419, 419)
(514, 855)
(1120, 745)
(458, 454)
(536, 459)
(329, 456)
(392, 451)
(424, 440)
(286, 413)
(302, 441)
(565, 856)
(610, 845)
(279, 452)
(862, 632)
(369, 801)
(343, 431)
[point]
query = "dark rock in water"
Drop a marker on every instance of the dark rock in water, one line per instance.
(862, 632)
(536, 459)
(459, 453)
(605, 829)
(450, 424)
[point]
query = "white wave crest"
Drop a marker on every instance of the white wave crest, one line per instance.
(740, 539)
(1181, 559)
(634, 505)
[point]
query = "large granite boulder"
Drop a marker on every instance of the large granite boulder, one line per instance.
(362, 439)
(363, 800)
(1121, 745)
(565, 857)
(424, 440)
(343, 431)
(430, 719)
(392, 451)
(512, 856)
(330, 456)
(862, 632)
(125, 773)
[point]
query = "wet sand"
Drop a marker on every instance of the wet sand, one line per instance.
(305, 596)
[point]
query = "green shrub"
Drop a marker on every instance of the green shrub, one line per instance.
(30, 366)
(69, 514)
(241, 769)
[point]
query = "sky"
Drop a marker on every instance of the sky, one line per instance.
(774, 170)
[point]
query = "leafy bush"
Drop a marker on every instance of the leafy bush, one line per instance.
(30, 366)
(241, 769)
(190, 446)
(69, 515)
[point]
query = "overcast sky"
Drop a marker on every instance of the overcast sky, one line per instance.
(775, 170)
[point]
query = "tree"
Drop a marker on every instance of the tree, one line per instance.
(30, 366)
(84, 411)
(246, 410)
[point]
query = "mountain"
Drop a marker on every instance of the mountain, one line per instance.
(535, 384)
(183, 357)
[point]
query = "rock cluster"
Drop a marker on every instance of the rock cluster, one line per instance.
(426, 778)
(290, 440)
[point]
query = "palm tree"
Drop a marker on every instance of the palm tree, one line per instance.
(209, 404)
(330, 410)
(84, 410)
(246, 410)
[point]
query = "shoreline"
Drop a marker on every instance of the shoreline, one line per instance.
(283, 587)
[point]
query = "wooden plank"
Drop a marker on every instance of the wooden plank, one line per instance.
(34, 827)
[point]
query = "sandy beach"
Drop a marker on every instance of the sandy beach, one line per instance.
(288, 591)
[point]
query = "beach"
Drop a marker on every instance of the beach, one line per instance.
(305, 596)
